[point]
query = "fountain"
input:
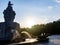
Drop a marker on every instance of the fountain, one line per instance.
(26, 34)
(27, 38)
(9, 30)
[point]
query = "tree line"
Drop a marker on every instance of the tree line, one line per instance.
(49, 28)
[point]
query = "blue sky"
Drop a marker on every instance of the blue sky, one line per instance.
(41, 11)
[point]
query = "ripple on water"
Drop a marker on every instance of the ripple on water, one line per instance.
(55, 39)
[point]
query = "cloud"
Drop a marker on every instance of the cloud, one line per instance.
(58, 1)
(50, 8)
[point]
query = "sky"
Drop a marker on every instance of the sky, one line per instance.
(39, 11)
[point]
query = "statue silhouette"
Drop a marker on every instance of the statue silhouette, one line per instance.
(9, 14)
(8, 28)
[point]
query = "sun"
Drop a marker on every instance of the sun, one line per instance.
(30, 23)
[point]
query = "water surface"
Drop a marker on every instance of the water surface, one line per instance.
(53, 40)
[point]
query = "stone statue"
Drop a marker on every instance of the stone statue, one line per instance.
(9, 14)
(8, 28)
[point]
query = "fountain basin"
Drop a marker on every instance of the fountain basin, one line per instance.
(27, 41)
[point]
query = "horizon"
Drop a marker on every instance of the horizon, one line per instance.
(32, 12)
